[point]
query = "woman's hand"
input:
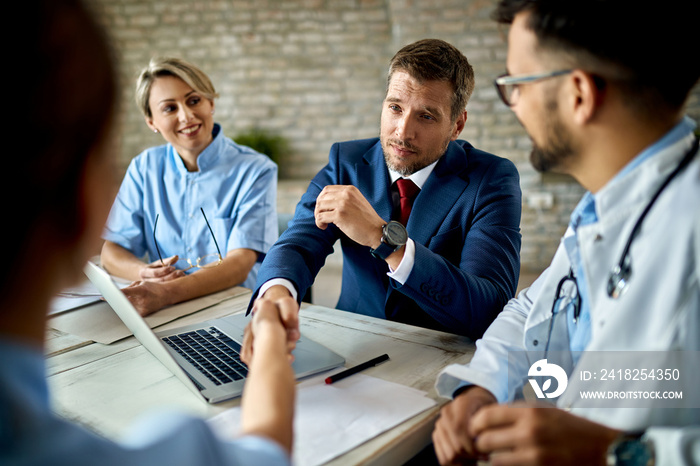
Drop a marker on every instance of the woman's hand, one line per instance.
(147, 296)
(161, 271)
(268, 397)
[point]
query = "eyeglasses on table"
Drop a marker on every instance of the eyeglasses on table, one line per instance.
(204, 262)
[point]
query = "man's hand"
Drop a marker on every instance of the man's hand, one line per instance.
(279, 299)
(347, 208)
(451, 438)
(160, 271)
(524, 433)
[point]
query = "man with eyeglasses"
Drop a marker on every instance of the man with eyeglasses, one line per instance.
(454, 261)
(624, 285)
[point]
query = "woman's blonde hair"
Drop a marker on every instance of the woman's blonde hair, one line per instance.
(168, 66)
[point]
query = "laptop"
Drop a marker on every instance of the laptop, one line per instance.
(204, 356)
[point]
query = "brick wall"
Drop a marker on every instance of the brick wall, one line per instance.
(314, 71)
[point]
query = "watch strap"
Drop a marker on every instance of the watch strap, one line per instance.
(383, 251)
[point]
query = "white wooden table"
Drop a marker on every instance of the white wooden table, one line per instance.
(106, 387)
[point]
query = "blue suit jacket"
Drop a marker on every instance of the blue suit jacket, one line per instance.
(465, 223)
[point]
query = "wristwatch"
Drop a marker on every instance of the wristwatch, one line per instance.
(393, 237)
(631, 449)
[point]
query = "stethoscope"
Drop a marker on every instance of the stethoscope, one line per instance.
(619, 278)
(620, 274)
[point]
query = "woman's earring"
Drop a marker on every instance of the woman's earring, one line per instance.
(155, 130)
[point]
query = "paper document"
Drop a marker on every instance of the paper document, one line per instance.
(63, 303)
(333, 419)
(77, 296)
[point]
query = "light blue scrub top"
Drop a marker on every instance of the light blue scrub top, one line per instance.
(236, 187)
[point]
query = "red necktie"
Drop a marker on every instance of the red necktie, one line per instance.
(407, 193)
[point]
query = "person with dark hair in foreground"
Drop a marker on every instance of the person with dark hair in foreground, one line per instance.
(66, 171)
(599, 106)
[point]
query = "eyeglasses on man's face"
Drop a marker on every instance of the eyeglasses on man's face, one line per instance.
(507, 85)
(203, 262)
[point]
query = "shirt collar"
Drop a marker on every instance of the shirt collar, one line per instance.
(209, 156)
(678, 132)
(585, 212)
(419, 177)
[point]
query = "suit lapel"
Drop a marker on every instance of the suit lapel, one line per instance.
(373, 181)
(439, 194)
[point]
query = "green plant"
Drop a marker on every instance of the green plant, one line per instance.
(273, 145)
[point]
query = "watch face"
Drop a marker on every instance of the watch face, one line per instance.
(395, 234)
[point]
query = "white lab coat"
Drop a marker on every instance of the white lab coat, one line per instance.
(659, 312)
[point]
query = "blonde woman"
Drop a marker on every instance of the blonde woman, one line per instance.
(197, 214)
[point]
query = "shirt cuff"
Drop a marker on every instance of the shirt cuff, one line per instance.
(278, 281)
(463, 385)
(406, 266)
(254, 449)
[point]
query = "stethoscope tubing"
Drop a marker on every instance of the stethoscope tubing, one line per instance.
(618, 279)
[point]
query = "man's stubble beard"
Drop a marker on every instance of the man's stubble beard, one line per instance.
(558, 149)
(418, 163)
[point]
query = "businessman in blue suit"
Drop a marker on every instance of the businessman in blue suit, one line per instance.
(454, 263)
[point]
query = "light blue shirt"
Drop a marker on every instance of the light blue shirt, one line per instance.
(235, 186)
(585, 214)
(30, 434)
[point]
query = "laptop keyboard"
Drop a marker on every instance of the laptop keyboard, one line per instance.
(212, 352)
